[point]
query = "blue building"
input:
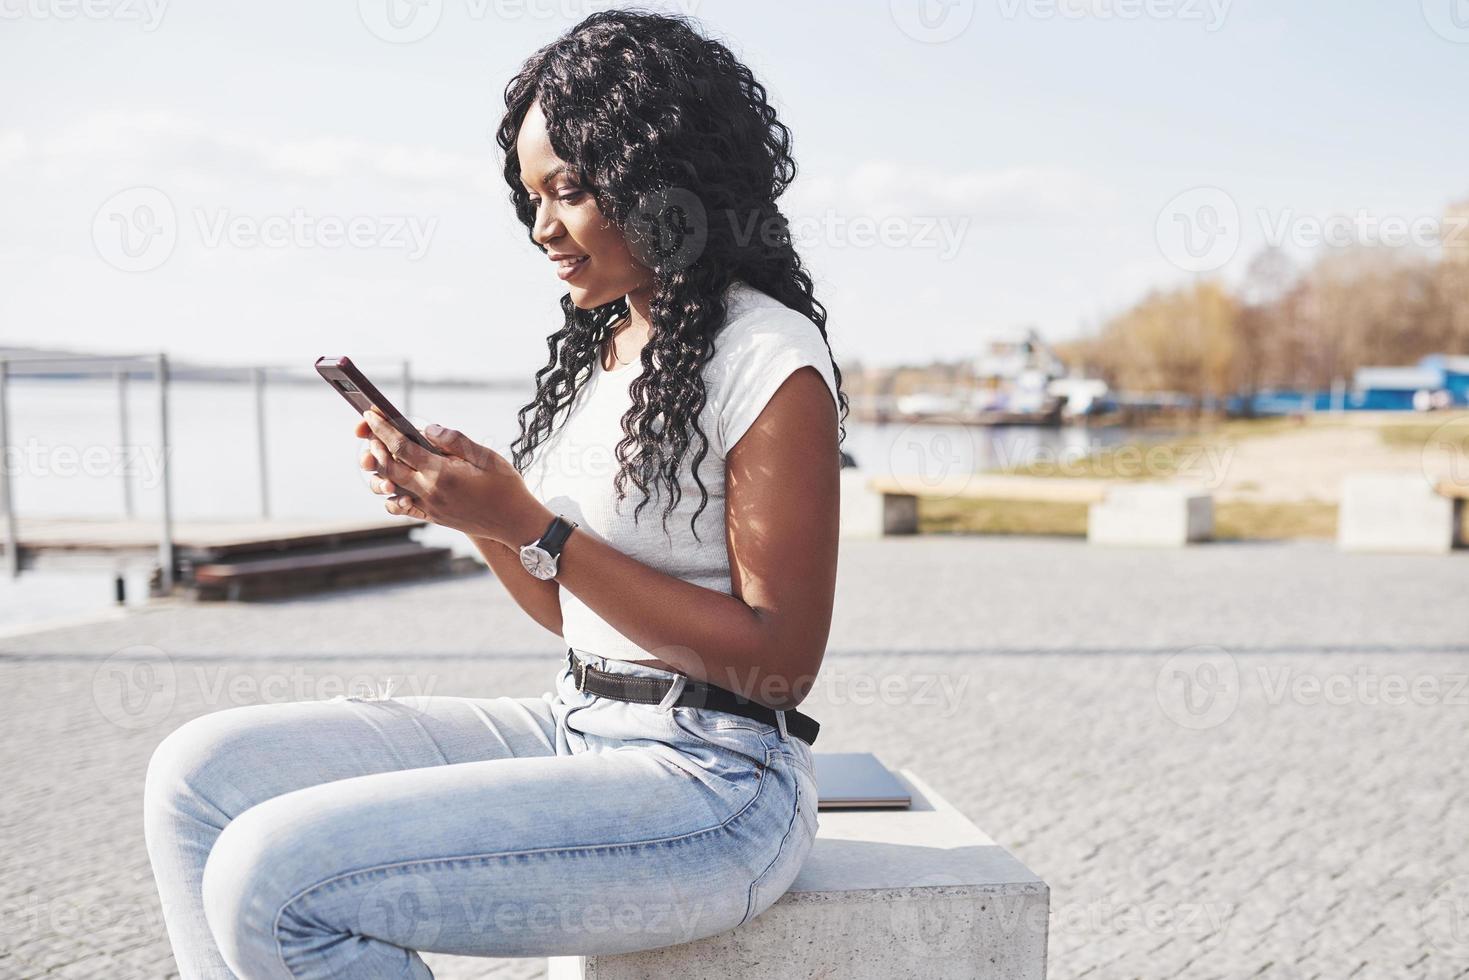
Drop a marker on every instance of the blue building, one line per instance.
(1392, 389)
(1443, 377)
(1454, 372)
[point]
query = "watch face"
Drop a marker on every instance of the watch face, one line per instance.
(538, 562)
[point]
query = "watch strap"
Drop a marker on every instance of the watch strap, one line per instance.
(555, 535)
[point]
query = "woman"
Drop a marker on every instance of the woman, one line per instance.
(664, 791)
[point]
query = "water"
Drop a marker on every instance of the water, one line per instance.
(68, 459)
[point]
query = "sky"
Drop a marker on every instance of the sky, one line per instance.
(265, 183)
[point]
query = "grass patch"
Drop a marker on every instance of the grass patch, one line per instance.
(1250, 521)
(1416, 435)
(1240, 521)
(959, 516)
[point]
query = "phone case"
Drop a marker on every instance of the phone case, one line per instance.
(352, 384)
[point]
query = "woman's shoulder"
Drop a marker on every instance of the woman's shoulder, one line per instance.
(756, 322)
(763, 341)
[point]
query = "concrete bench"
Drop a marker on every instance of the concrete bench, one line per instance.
(1400, 512)
(868, 512)
(1151, 514)
(919, 893)
(877, 505)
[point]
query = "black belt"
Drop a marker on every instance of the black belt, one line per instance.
(696, 694)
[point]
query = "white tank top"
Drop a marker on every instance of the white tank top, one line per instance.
(761, 344)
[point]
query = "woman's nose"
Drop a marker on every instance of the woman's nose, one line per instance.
(547, 229)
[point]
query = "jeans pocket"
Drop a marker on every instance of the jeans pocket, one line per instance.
(723, 730)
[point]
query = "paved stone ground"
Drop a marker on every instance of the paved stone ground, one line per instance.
(1231, 761)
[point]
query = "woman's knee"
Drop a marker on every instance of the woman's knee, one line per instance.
(199, 767)
(265, 874)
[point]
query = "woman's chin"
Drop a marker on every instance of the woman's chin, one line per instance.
(586, 299)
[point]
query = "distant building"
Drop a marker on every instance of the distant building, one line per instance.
(1392, 388)
(1437, 381)
(1014, 372)
(1453, 375)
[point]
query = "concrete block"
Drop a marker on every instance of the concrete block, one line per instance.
(1395, 512)
(918, 893)
(1151, 514)
(869, 513)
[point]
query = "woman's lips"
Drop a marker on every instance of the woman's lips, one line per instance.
(570, 267)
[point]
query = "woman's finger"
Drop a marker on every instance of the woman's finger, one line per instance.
(392, 470)
(404, 506)
(399, 446)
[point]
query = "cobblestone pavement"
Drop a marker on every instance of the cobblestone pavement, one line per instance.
(1231, 761)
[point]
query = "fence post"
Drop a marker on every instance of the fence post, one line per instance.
(12, 539)
(258, 375)
(122, 432)
(165, 541)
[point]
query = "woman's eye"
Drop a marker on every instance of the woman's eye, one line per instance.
(567, 198)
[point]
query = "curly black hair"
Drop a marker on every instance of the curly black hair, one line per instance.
(681, 150)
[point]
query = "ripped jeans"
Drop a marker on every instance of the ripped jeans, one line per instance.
(337, 838)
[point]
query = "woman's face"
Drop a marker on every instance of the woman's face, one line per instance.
(588, 252)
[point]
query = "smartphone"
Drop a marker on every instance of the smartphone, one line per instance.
(362, 394)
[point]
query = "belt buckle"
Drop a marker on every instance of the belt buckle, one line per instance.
(581, 674)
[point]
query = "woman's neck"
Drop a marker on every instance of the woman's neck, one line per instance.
(630, 333)
(611, 358)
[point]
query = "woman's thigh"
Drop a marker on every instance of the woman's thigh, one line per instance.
(596, 852)
(228, 761)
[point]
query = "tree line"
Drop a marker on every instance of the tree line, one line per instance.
(1284, 327)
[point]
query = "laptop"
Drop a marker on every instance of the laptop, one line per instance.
(847, 780)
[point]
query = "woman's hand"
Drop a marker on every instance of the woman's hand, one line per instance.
(471, 489)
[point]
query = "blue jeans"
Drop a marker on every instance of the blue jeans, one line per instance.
(334, 838)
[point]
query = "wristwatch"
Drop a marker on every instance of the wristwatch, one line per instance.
(541, 555)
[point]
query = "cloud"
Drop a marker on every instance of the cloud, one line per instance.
(881, 187)
(167, 148)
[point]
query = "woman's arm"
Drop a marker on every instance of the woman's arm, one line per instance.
(540, 599)
(765, 641)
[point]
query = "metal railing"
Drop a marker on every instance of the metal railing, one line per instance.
(122, 368)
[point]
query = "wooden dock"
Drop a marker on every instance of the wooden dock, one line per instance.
(213, 539)
(244, 559)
